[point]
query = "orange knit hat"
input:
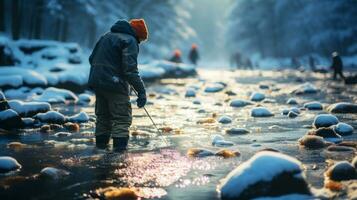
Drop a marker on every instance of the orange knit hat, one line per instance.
(177, 53)
(140, 28)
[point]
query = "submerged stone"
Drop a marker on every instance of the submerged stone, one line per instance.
(225, 120)
(237, 131)
(260, 112)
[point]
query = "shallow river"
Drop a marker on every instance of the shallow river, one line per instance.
(159, 166)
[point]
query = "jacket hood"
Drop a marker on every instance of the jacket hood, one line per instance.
(123, 26)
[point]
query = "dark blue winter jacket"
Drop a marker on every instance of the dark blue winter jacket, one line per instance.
(114, 61)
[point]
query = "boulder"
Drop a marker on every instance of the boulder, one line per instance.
(341, 171)
(312, 142)
(315, 105)
(8, 164)
(240, 103)
(199, 152)
(266, 174)
(327, 133)
(292, 101)
(29, 109)
(237, 131)
(257, 96)
(260, 112)
(81, 117)
(225, 120)
(324, 120)
(53, 173)
(342, 107)
(218, 140)
(215, 87)
(190, 92)
(51, 117)
(10, 119)
(343, 129)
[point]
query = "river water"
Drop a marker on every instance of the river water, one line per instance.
(158, 165)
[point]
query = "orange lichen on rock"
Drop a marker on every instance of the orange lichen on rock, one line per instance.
(166, 129)
(16, 145)
(206, 121)
(113, 193)
(71, 126)
(227, 153)
(333, 185)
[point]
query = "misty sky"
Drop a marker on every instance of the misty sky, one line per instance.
(208, 20)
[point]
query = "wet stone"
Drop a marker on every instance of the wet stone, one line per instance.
(8, 164)
(341, 171)
(237, 131)
(225, 120)
(312, 142)
(325, 120)
(343, 129)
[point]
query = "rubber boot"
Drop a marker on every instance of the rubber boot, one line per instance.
(101, 142)
(120, 143)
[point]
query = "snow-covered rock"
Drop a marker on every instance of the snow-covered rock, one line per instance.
(199, 152)
(11, 81)
(342, 107)
(28, 122)
(190, 92)
(10, 119)
(151, 72)
(81, 117)
(214, 87)
(237, 131)
(325, 120)
(315, 105)
(51, 117)
(257, 96)
(225, 120)
(53, 173)
(292, 101)
(260, 112)
(263, 175)
(312, 141)
(172, 69)
(29, 77)
(63, 134)
(240, 103)
(343, 129)
(341, 171)
(327, 133)
(85, 98)
(8, 164)
(306, 88)
(28, 109)
(56, 95)
(218, 140)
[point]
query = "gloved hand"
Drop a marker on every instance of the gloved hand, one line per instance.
(141, 101)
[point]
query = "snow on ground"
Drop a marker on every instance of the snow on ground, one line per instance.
(50, 63)
(29, 108)
(56, 95)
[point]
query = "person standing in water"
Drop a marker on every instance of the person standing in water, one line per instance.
(193, 55)
(114, 67)
(337, 66)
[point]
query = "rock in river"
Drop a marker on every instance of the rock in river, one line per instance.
(343, 129)
(341, 171)
(342, 107)
(325, 120)
(266, 174)
(8, 164)
(260, 112)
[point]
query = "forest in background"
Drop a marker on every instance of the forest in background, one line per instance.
(267, 28)
(284, 28)
(83, 21)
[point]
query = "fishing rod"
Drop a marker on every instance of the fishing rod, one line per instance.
(151, 119)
